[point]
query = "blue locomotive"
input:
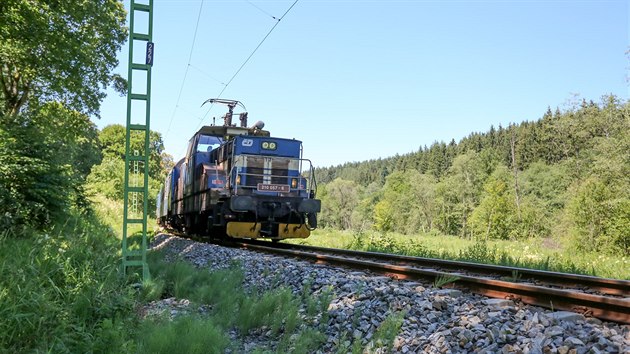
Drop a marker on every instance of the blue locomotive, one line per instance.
(240, 182)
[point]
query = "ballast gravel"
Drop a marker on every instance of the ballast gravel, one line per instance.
(435, 320)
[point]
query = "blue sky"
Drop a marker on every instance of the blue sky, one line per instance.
(356, 80)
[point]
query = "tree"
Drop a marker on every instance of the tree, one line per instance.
(599, 207)
(548, 183)
(363, 215)
(44, 159)
(107, 178)
(407, 204)
(61, 51)
(567, 172)
(424, 208)
(56, 57)
(392, 211)
(112, 141)
(495, 215)
(467, 175)
(339, 200)
(448, 218)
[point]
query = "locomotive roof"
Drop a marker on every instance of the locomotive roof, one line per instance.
(225, 131)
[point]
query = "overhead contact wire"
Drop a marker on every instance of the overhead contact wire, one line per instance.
(263, 11)
(207, 75)
(247, 60)
(181, 88)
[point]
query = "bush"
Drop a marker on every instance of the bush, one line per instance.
(45, 155)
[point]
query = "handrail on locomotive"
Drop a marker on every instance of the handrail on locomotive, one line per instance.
(310, 185)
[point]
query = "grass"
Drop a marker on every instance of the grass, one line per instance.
(232, 308)
(445, 280)
(61, 292)
(183, 335)
(514, 278)
(109, 212)
(381, 342)
(534, 253)
(387, 331)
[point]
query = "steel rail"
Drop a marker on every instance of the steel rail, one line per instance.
(602, 285)
(606, 308)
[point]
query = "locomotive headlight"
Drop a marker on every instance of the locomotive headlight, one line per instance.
(294, 183)
(268, 145)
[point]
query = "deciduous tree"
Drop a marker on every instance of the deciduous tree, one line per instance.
(61, 51)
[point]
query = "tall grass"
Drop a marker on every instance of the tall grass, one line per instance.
(109, 212)
(61, 291)
(534, 253)
(189, 335)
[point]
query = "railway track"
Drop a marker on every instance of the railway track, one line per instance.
(607, 299)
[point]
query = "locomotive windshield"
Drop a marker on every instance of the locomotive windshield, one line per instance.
(208, 143)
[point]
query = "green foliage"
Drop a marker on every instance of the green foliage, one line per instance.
(273, 309)
(494, 217)
(112, 141)
(407, 203)
(548, 183)
(316, 304)
(308, 341)
(479, 252)
(600, 217)
(388, 330)
(600, 205)
(45, 156)
(386, 243)
(445, 280)
(58, 51)
(47, 142)
(61, 292)
(184, 335)
(107, 178)
(384, 215)
(459, 192)
(340, 198)
(363, 214)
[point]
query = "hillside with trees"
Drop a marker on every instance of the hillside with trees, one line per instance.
(565, 175)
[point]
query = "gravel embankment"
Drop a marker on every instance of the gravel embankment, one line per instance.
(435, 321)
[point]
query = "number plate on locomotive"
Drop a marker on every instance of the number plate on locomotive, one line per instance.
(273, 187)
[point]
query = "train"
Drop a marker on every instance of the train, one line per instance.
(240, 182)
